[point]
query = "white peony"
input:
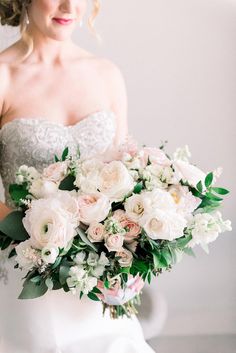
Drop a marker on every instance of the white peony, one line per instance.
(185, 201)
(115, 181)
(56, 171)
(206, 227)
(163, 224)
(93, 207)
(87, 175)
(48, 221)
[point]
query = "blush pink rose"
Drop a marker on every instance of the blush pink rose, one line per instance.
(56, 171)
(93, 207)
(132, 228)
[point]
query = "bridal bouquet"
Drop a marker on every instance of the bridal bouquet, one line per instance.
(104, 226)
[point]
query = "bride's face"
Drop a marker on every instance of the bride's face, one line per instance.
(43, 15)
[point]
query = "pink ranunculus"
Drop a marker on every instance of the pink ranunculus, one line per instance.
(155, 155)
(132, 230)
(119, 296)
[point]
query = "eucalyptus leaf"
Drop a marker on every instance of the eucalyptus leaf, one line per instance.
(12, 226)
(63, 274)
(32, 290)
(85, 239)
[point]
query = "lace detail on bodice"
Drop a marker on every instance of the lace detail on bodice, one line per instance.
(35, 141)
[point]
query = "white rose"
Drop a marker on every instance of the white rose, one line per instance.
(205, 227)
(41, 188)
(27, 257)
(93, 207)
(115, 181)
(48, 222)
(56, 171)
(49, 254)
(136, 206)
(125, 257)
(96, 232)
(114, 242)
(188, 172)
(163, 224)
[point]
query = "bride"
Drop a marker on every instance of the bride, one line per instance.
(55, 94)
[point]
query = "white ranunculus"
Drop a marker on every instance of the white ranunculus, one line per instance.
(42, 188)
(185, 201)
(49, 254)
(93, 207)
(206, 227)
(47, 221)
(137, 205)
(163, 224)
(115, 181)
(188, 172)
(27, 257)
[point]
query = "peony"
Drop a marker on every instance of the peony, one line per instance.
(115, 181)
(163, 224)
(56, 171)
(188, 172)
(185, 201)
(136, 206)
(114, 242)
(93, 207)
(125, 257)
(87, 175)
(41, 188)
(96, 232)
(48, 221)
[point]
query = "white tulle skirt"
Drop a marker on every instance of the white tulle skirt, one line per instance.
(61, 323)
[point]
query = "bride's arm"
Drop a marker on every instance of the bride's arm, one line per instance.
(4, 211)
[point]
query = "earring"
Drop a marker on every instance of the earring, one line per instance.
(81, 23)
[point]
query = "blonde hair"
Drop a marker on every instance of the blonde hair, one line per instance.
(13, 13)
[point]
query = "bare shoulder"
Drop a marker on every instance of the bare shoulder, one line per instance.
(111, 71)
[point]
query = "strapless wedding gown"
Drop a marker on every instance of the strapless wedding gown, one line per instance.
(57, 322)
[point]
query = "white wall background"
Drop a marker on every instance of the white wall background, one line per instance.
(179, 61)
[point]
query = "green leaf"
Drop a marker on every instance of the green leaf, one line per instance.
(56, 263)
(56, 158)
(208, 179)
(138, 188)
(63, 274)
(12, 253)
(67, 183)
(211, 196)
(199, 186)
(183, 241)
(96, 290)
(49, 283)
(165, 253)
(189, 251)
(220, 191)
(32, 290)
(65, 154)
(12, 226)
(18, 192)
(93, 296)
(106, 284)
(149, 277)
(36, 279)
(83, 237)
(5, 243)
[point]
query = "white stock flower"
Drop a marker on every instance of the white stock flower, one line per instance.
(115, 181)
(49, 254)
(92, 259)
(79, 258)
(206, 227)
(182, 153)
(47, 221)
(163, 224)
(157, 176)
(27, 257)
